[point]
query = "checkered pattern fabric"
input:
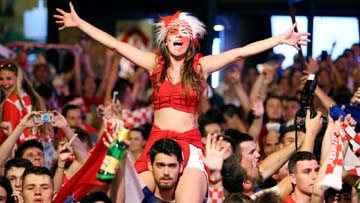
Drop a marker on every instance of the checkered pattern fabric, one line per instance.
(216, 194)
(14, 111)
(335, 163)
(138, 117)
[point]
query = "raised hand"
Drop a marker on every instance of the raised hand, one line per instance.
(257, 106)
(59, 120)
(65, 150)
(67, 19)
(6, 127)
(215, 153)
(355, 100)
(17, 196)
(313, 125)
(294, 39)
(28, 120)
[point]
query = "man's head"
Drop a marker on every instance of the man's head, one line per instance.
(287, 137)
(271, 142)
(33, 151)
(303, 169)
(38, 185)
(14, 169)
(246, 146)
(290, 106)
(233, 174)
(73, 114)
(166, 163)
(232, 115)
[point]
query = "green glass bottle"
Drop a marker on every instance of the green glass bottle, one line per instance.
(116, 152)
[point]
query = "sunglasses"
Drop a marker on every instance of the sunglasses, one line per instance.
(9, 66)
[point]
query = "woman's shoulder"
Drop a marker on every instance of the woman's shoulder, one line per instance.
(14, 96)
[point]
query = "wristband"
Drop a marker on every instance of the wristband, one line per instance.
(214, 181)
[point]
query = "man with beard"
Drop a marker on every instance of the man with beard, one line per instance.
(166, 165)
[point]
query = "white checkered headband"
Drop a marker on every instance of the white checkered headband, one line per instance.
(193, 25)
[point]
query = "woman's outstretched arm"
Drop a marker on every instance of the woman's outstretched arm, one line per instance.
(135, 55)
(213, 63)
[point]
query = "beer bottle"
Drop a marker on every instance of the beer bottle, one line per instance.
(116, 152)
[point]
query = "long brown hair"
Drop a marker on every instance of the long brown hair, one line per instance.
(190, 78)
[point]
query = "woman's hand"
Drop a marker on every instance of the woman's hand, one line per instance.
(28, 120)
(59, 120)
(67, 19)
(294, 38)
(6, 127)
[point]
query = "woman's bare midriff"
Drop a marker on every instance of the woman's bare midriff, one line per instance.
(178, 121)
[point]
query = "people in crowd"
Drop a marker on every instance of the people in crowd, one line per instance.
(14, 170)
(175, 35)
(303, 169)
(20, 99)
(197, 128)
(137, 139)
(38, 185)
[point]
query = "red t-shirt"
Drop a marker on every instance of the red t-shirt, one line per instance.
(289, 199)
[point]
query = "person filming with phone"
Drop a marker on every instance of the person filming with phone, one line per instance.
(20, 98)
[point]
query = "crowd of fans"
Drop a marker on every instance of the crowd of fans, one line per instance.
(254, 148)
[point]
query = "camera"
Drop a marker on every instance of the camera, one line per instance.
(306, 100)
(47, 117)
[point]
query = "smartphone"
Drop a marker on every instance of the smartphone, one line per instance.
(47, 117)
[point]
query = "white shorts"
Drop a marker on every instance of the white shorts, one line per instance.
(195, 159)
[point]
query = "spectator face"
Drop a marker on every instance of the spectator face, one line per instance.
(89, 86)
(304, 176)
(14, 174)
(35, 156)
(250, 158)
(37, 188)
(212, 128)
(136, 141)
(41, 74)
(79, 101)
(166, 170)
(289, 138)
(290, 109)
(178, 40)
(7, 81)
(74, 117)
(271, 143)
(274, 109)
(3, 195)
